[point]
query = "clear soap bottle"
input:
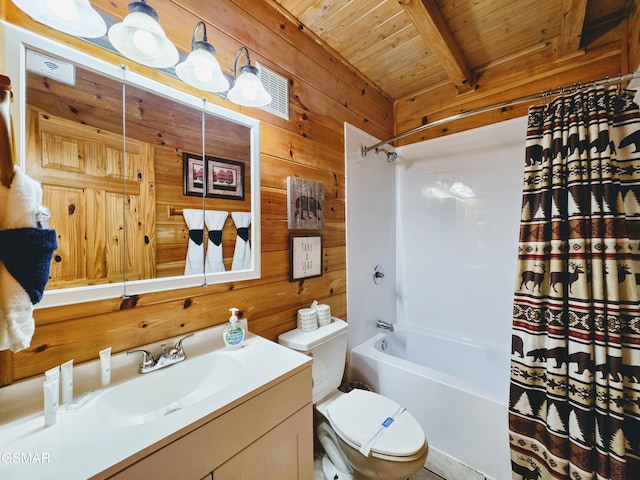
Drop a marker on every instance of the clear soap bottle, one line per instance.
(233, 335)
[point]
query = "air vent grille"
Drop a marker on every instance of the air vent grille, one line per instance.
(278, 87)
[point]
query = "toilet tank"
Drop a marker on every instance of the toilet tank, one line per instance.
(327, 345)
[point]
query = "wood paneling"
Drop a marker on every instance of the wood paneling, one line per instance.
(324, 92)
(427, 54)
(513, 48)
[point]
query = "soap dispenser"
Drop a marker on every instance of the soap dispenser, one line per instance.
(233, 335)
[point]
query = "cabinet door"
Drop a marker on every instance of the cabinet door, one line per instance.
(82, 172)
(285, 452)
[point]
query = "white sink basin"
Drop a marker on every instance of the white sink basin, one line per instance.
(156, 394)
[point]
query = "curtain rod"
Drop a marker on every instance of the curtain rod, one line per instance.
(543, 94)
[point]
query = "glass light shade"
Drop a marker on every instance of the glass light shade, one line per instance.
(75, 17)
(201, 70)
(140, 38)
(248, 89)
(461, 190)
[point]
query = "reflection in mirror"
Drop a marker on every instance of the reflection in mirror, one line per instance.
(75, 149)
(121, 210)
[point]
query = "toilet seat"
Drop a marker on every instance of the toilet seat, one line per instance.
(358, 415)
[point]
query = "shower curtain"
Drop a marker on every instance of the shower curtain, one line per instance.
(574, 407)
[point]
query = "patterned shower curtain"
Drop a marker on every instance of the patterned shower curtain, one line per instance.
(574, 407)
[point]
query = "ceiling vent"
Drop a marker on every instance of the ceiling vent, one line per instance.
(278, 87)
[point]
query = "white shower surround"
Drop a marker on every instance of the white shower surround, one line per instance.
(450, 267)
(456, 261)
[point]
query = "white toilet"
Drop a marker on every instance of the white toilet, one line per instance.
(365, 435)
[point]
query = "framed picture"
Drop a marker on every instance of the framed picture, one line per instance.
(213, 178)
(225, 179)
(305, 204)
(193, 174)
(306, 256)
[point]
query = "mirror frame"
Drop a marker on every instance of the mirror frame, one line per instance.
(16, 42)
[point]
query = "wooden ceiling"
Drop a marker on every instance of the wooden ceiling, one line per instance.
(407, 46)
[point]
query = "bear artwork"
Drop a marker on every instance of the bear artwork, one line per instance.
(307, 205)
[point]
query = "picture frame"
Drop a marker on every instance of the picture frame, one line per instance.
(213, 178)
(193, 174)
(225, 178)
(305, 257)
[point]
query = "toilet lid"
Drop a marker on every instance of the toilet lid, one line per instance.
(359, 415)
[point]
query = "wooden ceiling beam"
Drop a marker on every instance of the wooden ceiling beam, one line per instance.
(573, 14)
(433, 28)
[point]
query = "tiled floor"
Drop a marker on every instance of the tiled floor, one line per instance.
(425, 474)
(447, 468)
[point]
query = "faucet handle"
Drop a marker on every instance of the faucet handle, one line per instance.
(147, 357)
(179, 344)
(172, 352)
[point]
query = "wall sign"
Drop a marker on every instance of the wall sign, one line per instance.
(305, 204)
(306, 256)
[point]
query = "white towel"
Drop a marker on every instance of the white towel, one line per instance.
(20, 207)
(214, 219)
(242, 252)
(195, 248)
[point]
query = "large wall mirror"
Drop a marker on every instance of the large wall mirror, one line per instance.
(149, 188)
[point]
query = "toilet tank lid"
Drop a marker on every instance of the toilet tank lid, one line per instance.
(305, 341)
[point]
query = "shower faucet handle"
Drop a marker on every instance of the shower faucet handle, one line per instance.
(378, 274)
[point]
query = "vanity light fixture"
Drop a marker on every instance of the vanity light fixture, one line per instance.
(140, 38)
(247, 89)
(201, 69)
(75, 17)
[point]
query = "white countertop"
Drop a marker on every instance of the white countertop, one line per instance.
(81, 444)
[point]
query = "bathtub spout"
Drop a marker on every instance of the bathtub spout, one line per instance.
(384, 325)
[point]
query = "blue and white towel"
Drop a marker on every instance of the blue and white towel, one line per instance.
(25, 259)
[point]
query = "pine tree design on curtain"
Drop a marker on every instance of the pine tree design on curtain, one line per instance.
(574, 409)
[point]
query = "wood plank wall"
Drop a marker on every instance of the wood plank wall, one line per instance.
(323, 94)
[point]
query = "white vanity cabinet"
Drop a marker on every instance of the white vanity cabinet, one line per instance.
(268, 434)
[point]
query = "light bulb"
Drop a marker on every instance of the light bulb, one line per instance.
(204, 73)
(250, 93)
(145, 42)
(64, 9)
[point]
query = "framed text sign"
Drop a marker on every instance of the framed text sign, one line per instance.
(306, 256)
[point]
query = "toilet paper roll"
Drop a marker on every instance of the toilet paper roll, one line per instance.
(307, 319)
(324, 315)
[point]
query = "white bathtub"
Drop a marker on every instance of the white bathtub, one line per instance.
(458, 392)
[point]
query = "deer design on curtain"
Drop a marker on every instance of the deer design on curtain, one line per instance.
(574, 409)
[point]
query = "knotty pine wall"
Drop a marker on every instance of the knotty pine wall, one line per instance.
(323, 94)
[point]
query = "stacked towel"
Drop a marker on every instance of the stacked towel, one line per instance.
(25, 259)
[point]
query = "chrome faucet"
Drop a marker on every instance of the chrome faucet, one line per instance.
(169, 356)
(384, 325)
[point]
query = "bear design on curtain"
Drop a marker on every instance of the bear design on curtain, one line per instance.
(574, 407)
